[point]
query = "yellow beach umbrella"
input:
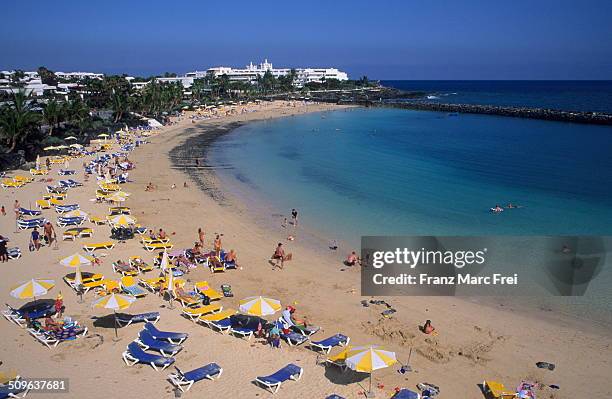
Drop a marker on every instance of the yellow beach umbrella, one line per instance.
(259, 306)
(114, 302)
(122, 220)
(77, 213)
(76, 260)
(32, 289)
(366, 359)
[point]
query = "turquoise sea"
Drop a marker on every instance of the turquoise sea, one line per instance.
(399, 172)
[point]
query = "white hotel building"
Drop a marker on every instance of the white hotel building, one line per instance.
(251, 72)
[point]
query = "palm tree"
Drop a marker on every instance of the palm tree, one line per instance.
(119, 105)
(17, 120)
(51, 115)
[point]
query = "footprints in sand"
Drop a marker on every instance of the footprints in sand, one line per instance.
(433, 348)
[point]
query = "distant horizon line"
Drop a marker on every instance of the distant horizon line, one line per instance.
(351, 78)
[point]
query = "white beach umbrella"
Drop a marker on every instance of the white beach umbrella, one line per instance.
(76, 260)
(259, 306)
(32, 289)
(114, 302)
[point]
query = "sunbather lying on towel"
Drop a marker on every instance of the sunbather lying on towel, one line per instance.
(124, 267)
(181, 293)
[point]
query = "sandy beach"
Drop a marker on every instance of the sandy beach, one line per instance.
(474, 342)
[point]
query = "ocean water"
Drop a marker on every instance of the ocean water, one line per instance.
(583, 95)
(401, 172)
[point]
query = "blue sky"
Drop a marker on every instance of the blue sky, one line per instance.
(387, 39)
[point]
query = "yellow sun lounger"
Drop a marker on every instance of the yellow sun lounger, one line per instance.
(339, 359)
(119, 210)
(6, 183)
(156, 246)
(152, 284)
(55, 202)
(86, 280)
(73, 233)
(221, 315)
(497, 390)
(195, 313)
(187, 300)
(146, 240)
(109, 287)
(140, 264)
(109, 187)
(57, 160)
(131, 272)
(97, 220)
(203, 288)
(93, 285)
(43, 204)
(22, 179)
(39, 172)
(101, 245)
(130, 286)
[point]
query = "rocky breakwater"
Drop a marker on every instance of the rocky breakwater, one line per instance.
(594, 118)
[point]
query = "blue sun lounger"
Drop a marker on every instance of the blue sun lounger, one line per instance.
(126, 320)
(406, 394)
(66, 208)
(134, 354)
(184, 381)
(172, 337)
(29, 212)
(328, 343)
(146, 341)
(71, 221)
(293, 338)
(274, 381)
(221, 325)
(242, 332)
(31, 223)
(66, 172)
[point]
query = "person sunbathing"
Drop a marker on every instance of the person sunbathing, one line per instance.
(123, 266)
(162, 234)
(51, 325)
(289, 318)
(197, 249)
(352, 259)
(181, 293)
(231, 257)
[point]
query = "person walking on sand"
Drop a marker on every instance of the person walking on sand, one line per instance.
(217, 245)
(3, 211)
(201, 236)
(294, 217)
(17, 209)
(35, 239)
(279, 256)
(49, 233)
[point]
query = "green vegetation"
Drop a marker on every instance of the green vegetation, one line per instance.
(95, 105)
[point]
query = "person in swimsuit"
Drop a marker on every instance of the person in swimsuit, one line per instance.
(279, 256)
(3, 251)
(49, 232)
(36, 238)
(294, 217)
